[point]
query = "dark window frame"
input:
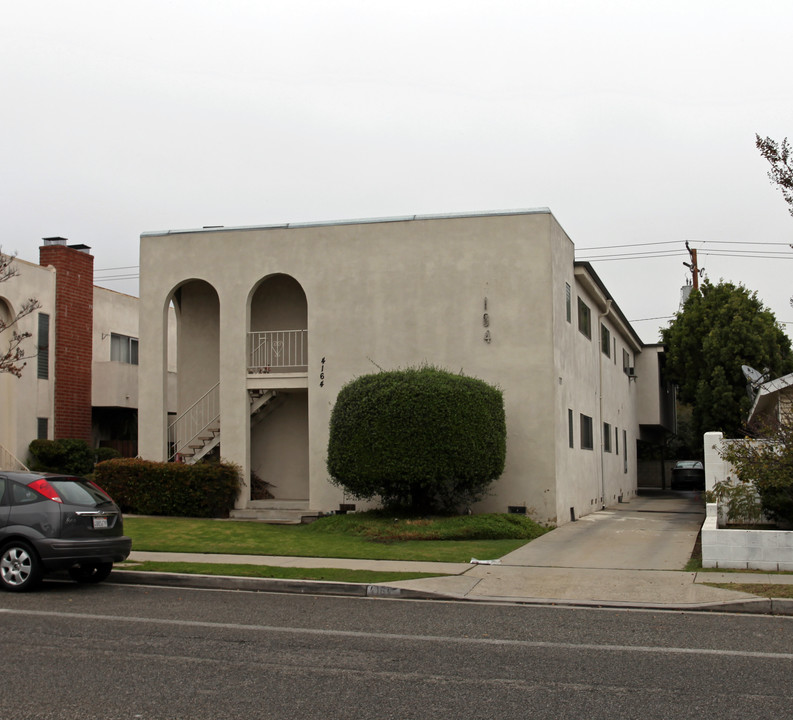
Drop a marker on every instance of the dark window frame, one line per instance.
(584, 319)
(587, 432)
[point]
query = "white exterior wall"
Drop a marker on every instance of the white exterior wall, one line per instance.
(593, 384)
(395, 294)
(24, 400)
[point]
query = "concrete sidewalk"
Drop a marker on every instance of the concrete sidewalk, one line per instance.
(629, 555)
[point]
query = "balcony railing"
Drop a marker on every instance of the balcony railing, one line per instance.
(277, 351)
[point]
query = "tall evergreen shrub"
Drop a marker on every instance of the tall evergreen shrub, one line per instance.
(421, 439)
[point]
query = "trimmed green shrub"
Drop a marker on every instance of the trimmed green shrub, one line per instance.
(72, 457)
(154, 488)
(421, 439)
(106, 453)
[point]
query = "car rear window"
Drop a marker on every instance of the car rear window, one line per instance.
(77, 491)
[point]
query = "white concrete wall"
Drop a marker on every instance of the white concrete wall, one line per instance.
(23, 400)
(593, 384)
(768, 550)
(113, 384)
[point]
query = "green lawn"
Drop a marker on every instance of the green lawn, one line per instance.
(366, 536)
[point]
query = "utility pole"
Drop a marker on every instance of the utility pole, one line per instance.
(695, 271)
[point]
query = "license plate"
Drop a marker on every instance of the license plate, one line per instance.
(100, 522)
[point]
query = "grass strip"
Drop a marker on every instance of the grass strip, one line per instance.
(361, 535)
(268, 571)
(767, 590)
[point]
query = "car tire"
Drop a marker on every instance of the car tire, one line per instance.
(87, 573)
(20, 567)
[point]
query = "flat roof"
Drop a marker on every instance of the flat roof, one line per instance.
(359, 221)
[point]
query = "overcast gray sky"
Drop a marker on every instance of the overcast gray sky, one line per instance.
(632, 121)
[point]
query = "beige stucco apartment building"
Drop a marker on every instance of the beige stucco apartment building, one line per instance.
(272, 321)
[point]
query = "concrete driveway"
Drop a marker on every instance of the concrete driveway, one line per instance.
(651, 532)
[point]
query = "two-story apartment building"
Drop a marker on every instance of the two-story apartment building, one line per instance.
(272, 321)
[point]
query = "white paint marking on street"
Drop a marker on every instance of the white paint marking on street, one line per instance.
(389, 636)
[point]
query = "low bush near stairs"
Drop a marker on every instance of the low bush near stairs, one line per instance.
(153, 488)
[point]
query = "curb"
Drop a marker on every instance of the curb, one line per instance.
(751, 606)
(272, 585)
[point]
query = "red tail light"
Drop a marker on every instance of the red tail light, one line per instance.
(42, 487)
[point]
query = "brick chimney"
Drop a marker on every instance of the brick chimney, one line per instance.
(74, 318)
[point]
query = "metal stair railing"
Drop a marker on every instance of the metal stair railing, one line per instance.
(9, 461)
(198, 419)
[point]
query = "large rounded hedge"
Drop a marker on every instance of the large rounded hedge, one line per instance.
(422, 439)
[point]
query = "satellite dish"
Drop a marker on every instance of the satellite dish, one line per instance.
(754, 379)
(752, 375)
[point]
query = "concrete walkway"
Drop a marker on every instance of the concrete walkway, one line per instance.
(631, 555)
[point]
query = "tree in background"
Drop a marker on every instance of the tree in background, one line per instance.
(420, 439)
(11, 361)
(781, 172)
(719, 329)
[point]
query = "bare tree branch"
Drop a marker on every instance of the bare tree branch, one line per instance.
(13, 360)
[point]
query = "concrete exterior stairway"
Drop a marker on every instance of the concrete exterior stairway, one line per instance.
(276, 512)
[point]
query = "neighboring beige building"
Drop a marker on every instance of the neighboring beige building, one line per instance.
(273, 321)
(97, 402)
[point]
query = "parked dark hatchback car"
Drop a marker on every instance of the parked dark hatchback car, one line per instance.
(688, 475)
(54, 522)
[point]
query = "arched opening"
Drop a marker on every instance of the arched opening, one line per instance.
(196, 307)
(278, 354)
(278, 337)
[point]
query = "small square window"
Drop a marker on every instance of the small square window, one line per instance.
(123, 349)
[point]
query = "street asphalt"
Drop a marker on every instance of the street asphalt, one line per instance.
(630, 555)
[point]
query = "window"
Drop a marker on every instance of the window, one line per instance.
(626, 361)
(124, 349)
(44, 347)
(625, 450)
(570, 427)
(616, 441)
(587, 439)
(605, 340)
(606, 437)
(568, 299)
(584, 318)
(23, 495)
(42, 428)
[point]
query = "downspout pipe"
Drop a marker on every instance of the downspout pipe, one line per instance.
(602, 317)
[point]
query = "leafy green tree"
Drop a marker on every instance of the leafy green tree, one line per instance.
(719, 329)
(781, 159)
(420, 439)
